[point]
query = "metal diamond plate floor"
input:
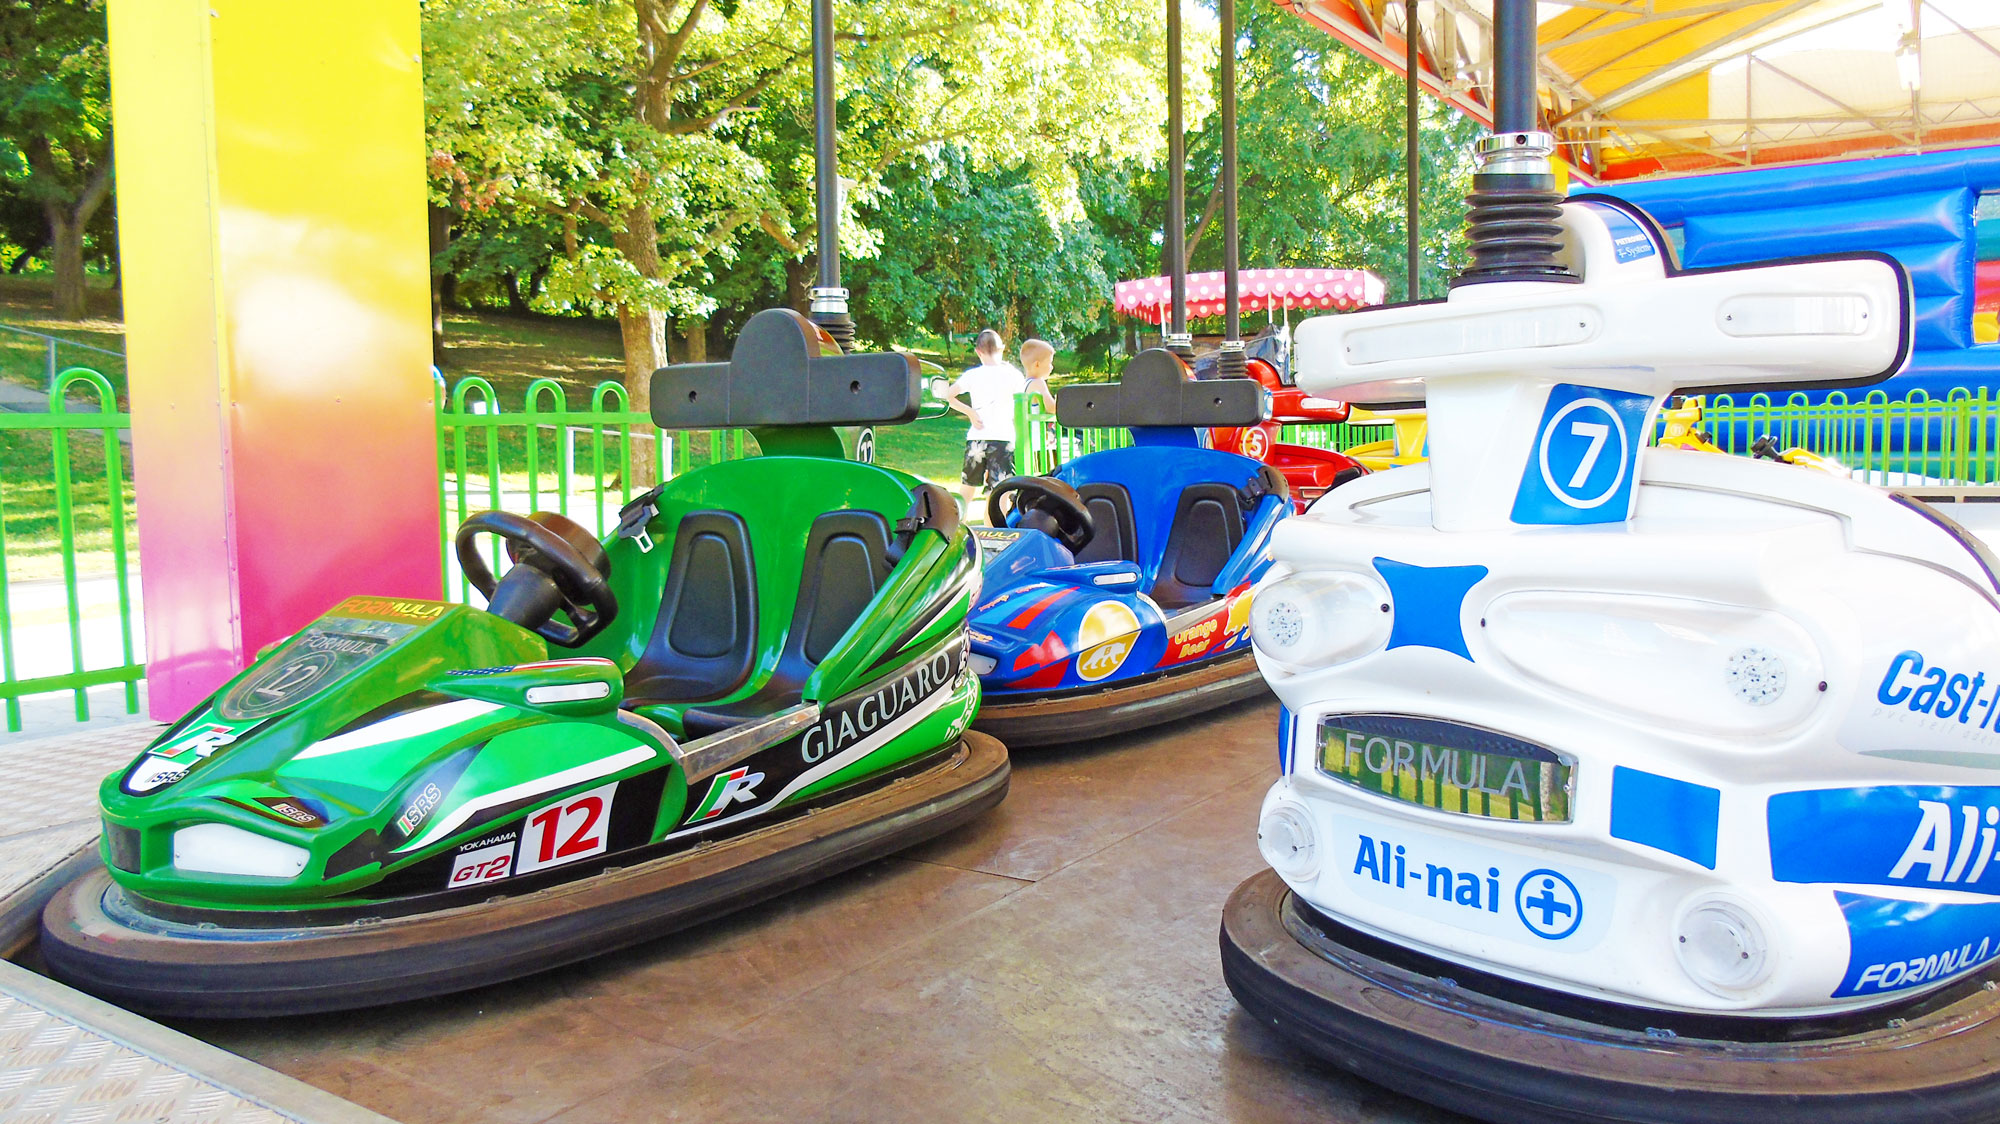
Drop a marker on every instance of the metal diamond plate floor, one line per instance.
(52, 1070)
(66, 1058)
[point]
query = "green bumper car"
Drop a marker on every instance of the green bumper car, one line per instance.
(766, 683)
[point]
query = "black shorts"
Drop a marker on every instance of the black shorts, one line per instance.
(987, 462)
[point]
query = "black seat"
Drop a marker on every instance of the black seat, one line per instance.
(1116, 538)
(846, 561)
(1207, 528)
(704, 641)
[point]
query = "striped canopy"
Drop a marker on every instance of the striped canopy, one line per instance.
(1650, 87)
(1320, 290)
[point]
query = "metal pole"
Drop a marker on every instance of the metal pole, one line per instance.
(1514, 221)
(1514, 52)
(1176, 241)
(1412, 169)
(829, 299)
(1231, 361)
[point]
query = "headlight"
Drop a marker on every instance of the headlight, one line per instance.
(1317, 618)
(1285, 838)
(218, 848)
(1722, 947)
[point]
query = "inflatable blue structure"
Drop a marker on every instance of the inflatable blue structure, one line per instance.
(1920, 209)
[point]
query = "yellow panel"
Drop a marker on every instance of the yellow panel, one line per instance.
(272, 225)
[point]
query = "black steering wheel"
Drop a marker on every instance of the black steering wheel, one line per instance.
(557, 565)
(1046, 505)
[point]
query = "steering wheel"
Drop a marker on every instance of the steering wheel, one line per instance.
(1046, 505)
(557, 565)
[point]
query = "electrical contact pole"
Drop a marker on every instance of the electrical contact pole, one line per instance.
(829, 299)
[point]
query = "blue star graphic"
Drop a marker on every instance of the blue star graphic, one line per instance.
(1428, 602)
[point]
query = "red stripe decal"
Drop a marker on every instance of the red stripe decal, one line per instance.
(1031, 612)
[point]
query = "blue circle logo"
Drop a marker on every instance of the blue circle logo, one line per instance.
(1548, 904)
(1578, 438)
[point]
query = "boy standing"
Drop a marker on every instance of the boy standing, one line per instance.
(991, 388)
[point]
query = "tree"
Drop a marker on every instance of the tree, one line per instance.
(666, 135)
(55, 125)
(978, 248)
(1320, 141)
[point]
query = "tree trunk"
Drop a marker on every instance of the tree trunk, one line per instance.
(642, 330)
(440, 240)
(66, 235)
(798, 276)
(516, 303)
(694, 341)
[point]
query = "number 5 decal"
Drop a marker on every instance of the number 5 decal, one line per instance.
(566, 831)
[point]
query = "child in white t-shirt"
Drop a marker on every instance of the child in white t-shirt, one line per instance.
(989, 392)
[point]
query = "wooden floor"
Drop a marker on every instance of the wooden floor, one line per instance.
(1055, 961)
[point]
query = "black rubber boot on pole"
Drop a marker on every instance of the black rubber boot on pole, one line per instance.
(1231, 362)
(1515, 199)
(829, 299)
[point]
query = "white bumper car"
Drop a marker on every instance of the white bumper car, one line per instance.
(1624, 783)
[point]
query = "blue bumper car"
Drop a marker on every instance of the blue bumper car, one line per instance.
(1117, 588)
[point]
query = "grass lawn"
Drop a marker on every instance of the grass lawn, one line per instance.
(24, 303)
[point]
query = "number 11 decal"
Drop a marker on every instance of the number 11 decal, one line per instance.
(566, 831)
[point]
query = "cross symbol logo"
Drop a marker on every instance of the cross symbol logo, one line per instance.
(1548, 904)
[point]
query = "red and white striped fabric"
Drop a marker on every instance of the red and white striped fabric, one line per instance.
(1312, 290)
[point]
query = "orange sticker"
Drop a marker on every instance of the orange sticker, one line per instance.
(392, 609)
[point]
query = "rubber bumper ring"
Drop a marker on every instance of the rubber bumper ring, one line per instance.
(208, 972)
(1500, 1061)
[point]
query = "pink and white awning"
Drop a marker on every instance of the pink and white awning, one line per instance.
(1315, 290)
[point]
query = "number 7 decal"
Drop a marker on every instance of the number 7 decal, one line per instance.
(567, 830)
(1595, 432)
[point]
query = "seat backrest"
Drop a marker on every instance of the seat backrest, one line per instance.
(703, 643)
(1207, 529)
(1154, 486)
(846, 563)
(767, 512)
(1115, 539)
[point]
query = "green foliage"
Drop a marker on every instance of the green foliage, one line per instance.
(1001, 158)
(55, 97)
(1320, 145)
(669, 138)
(55, 137)
(975, 248)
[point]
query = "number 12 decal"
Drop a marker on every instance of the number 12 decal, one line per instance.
(566, 831)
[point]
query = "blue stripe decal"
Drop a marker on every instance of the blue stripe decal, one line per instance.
(1668, 815)
(1931, 836)
(1287, 728)
(1897, 944)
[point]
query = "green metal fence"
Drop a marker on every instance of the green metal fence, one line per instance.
(65, 509)
(581, 462)
(1908, 441)
(1042, 443)
(1902, 442)
(68, 604)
